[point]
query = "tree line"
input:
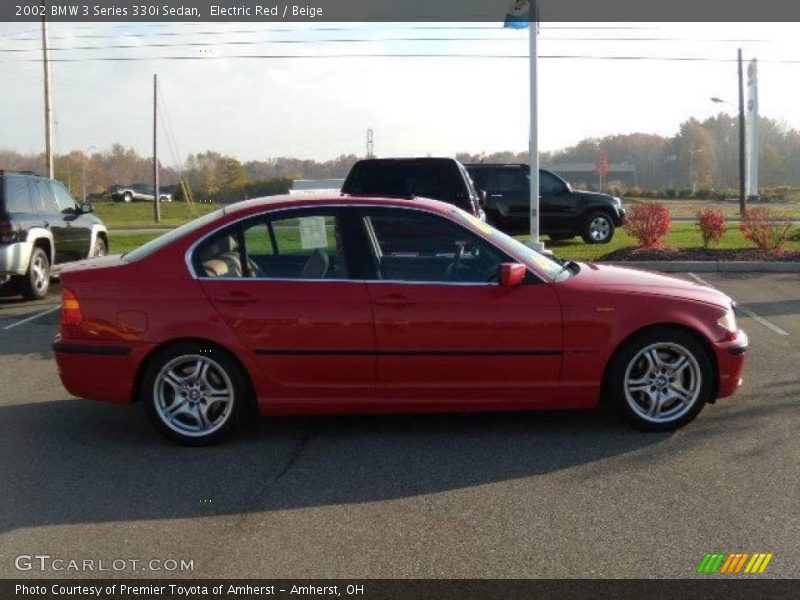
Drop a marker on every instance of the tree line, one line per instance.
(703, 154)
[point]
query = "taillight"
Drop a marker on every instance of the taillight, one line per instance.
(7, 233)
(70, 308)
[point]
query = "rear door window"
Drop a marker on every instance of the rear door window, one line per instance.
(511, 181)
(18, 197)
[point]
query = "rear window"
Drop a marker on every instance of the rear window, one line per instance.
(17, 196)
(164, 240)
(439, 180)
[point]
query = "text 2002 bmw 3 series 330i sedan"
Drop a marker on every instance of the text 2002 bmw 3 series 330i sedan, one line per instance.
(348, 305)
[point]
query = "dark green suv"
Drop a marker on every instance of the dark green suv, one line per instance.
(41, 227)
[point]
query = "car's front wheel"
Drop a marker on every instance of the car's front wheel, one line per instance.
(661, 380)
(35, 283)
(127, 198)
(193, 393)
(598, 228)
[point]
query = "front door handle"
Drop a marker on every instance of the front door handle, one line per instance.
(395, 300)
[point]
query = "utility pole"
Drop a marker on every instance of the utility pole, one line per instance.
(370, 144)
(742, 134)
(48, 113)
(533, 142)
(156, 203)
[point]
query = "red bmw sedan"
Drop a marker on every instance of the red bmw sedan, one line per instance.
(341, 305)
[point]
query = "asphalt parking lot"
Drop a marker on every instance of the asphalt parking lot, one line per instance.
(497, 495)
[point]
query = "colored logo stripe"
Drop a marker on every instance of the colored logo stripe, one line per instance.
(734, 563)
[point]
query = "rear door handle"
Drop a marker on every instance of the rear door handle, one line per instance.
(395, 300)
(236, 298)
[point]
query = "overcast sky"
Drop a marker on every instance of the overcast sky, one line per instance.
(256, 108)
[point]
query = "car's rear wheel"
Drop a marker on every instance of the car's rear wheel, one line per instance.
(193, 393)
(35, 283)
(661, 380)
(598, 228)
(127, 198)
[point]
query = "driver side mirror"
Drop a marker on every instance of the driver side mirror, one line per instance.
(512, 274)
(86, 207)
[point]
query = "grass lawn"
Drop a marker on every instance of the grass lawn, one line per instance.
(683, 235)
(140, 214)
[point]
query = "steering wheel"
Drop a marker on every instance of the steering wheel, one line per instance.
(452, 268)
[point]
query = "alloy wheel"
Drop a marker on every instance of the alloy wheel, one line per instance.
(193, 395)
(599, 229)
(662, 382)
(39, 273)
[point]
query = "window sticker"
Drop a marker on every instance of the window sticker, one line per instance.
(313, 233)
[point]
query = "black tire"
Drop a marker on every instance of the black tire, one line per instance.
(127, 198)
(697, 378)
(100, 247)
(598, 228)
(560, 237)
(160, 397)
(35, 283)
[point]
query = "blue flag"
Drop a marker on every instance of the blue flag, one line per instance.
(518, 15)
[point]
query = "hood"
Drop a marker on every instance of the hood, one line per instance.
(616, 279)
(590, 195)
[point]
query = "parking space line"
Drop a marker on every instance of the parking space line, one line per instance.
(771, 326)
(32, 317)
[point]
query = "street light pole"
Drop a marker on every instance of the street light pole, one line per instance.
(742, 151)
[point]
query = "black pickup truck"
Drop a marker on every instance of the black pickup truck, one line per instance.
(443, 179)
(564, 212)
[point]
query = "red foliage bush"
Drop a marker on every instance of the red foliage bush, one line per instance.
(712, 225)
(648, 224)
(766, 231)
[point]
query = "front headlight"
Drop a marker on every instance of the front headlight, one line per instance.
(728, 321)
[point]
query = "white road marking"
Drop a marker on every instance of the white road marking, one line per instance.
(32, 317)
(771, 326)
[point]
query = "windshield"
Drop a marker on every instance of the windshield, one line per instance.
(163, 240)
(554, 269)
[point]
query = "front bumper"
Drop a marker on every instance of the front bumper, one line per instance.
(731, 358)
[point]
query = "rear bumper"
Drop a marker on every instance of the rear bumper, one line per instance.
(731, 358)
(99, 371)
(14, 258)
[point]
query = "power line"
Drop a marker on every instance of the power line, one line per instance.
(497, 27)
(698, 59)
(351, 41)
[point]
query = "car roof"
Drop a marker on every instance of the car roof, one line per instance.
(323, 199)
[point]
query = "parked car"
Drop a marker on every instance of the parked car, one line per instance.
(42, 227)
(443, 179)
(293, 305)
(137, 192)
(564, 212)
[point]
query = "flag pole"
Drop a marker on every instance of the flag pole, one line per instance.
(533, 143)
